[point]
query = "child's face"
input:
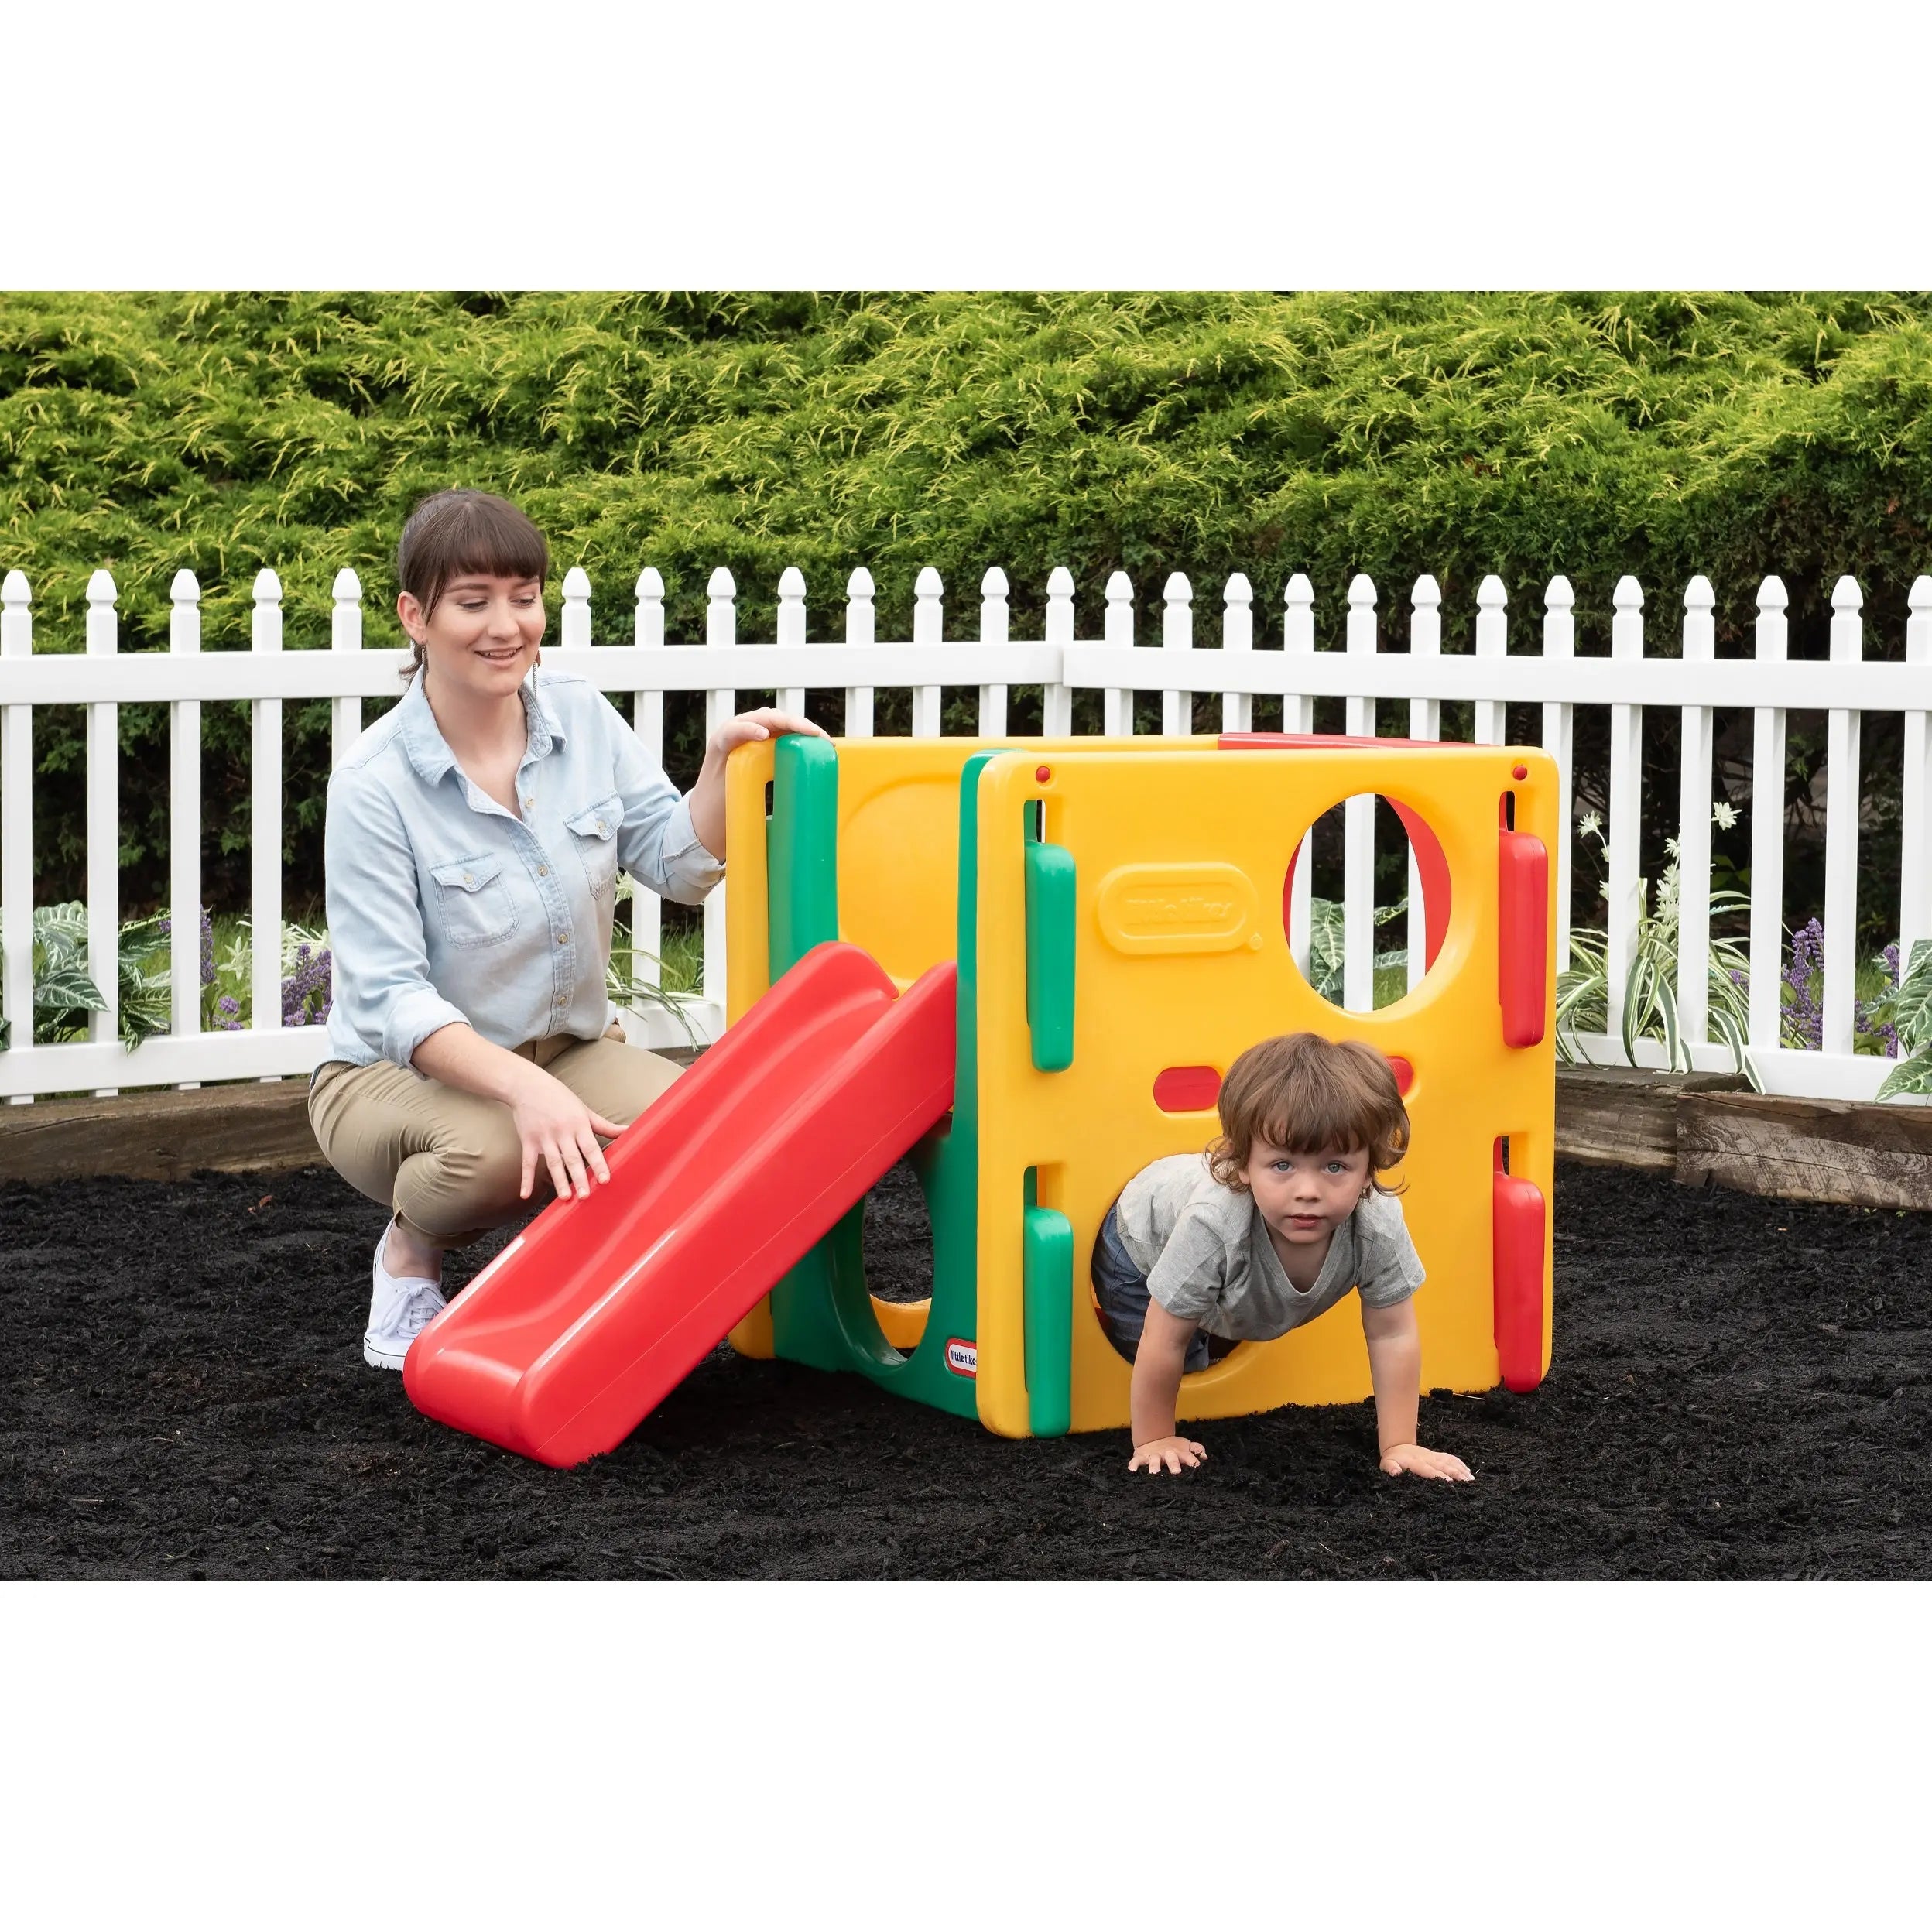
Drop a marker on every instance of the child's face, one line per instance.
(1306, 1197)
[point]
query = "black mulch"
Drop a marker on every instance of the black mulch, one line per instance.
(1742, 1388)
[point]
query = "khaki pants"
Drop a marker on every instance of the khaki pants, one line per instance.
(448, 1163)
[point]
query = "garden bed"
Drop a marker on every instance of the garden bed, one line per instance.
(184, 1396)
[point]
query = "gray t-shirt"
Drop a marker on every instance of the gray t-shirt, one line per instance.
(1205, 1252)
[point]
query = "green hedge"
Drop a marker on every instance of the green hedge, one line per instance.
(1593, 434)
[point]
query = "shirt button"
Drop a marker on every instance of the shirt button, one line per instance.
(563, 939)
(542, 871)
(468, 880)
(602, 829)
(528, 804)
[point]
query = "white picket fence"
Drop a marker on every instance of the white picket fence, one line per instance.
(1372, 669)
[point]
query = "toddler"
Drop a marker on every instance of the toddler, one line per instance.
(1275, 1223)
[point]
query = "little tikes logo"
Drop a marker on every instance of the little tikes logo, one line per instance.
(963, 1356)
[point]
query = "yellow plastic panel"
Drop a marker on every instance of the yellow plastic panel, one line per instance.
(1091, 1127)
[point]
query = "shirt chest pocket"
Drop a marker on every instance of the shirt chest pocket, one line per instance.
(474, 901)
(593, 833)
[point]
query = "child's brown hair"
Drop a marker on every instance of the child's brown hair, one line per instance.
(1302, 1093)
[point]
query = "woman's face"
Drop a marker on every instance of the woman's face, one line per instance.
(483, 636)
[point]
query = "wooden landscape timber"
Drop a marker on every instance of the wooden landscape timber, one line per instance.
(1710, 1129)
(1704, 1127)
(162, 1134)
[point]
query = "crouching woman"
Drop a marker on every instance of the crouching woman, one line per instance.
(475, 834)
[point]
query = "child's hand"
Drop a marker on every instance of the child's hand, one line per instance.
(1411, 1458)
(1171, 1453)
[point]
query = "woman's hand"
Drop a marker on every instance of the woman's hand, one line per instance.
(707, 798)
(1171, 1453)
(558, 1130)
(748, 727)
(1411, 1458)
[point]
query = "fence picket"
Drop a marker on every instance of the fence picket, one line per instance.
(647, 910)
(1492, 640)
(1558, 738)
(345, 634)
(1767, 830)
(1056, 701)
(859, 617)
(576, 626)
(1841, 830)
(184, 818)
(791, 630)
(1915, 800)
(1177, 634)
(1694, 825)
(1358, 825)
(1237, 634)
(16, 827)
(1298, 715)
(721, 633)
(1118, 630)
(1425, 724)
(264, 825)
(929, 628)
(993, 618)
(103, 828)
(1624, 894)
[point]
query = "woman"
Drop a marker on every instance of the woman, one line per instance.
(474, 839)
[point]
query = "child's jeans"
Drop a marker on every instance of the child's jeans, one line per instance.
(1121, 1289)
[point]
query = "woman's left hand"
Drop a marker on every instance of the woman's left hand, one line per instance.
(748, 727)
(708, 795)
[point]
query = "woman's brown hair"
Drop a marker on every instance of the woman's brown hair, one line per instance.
(1302, 1093)
(457, 533)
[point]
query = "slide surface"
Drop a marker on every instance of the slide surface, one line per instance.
(567, 1341)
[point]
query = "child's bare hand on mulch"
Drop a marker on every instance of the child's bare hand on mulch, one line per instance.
(1171, 1453)
(1411, 1458)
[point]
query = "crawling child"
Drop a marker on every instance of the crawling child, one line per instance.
(1271, 1225)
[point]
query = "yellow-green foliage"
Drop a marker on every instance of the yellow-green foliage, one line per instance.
(1592, 433)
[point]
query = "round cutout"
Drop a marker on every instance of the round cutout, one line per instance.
(1366, 903)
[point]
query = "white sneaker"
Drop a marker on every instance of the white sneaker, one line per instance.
(400, 1311)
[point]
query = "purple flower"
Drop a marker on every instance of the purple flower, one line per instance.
(309, 983)
(208, 949)
(1803, 1017)
(227, 1014)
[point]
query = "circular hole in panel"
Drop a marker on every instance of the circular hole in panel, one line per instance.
(897, 1246)
(1218, 1348)
(1369, 852)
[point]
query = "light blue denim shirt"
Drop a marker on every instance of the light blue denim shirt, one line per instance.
(443, 906)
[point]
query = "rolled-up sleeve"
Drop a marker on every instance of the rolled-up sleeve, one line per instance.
(658, 844)
(375, 923)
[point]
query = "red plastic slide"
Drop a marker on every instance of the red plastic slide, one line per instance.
(567, 1341)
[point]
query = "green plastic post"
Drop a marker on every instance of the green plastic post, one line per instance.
(802, 892)
(1049, 1289)
(1050, 955)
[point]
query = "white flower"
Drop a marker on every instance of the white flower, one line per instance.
(1589, 823)
(1724, 816)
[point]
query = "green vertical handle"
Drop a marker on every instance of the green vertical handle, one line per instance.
(1050, 955)
(1048, 1276)
(801, 860)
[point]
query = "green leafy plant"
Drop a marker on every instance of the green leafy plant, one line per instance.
(1649, 987)
(678, 967)
(1906, 1008)
(64, 994)
(1327, 947)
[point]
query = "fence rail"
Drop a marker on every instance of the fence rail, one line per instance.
(1235, 669)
